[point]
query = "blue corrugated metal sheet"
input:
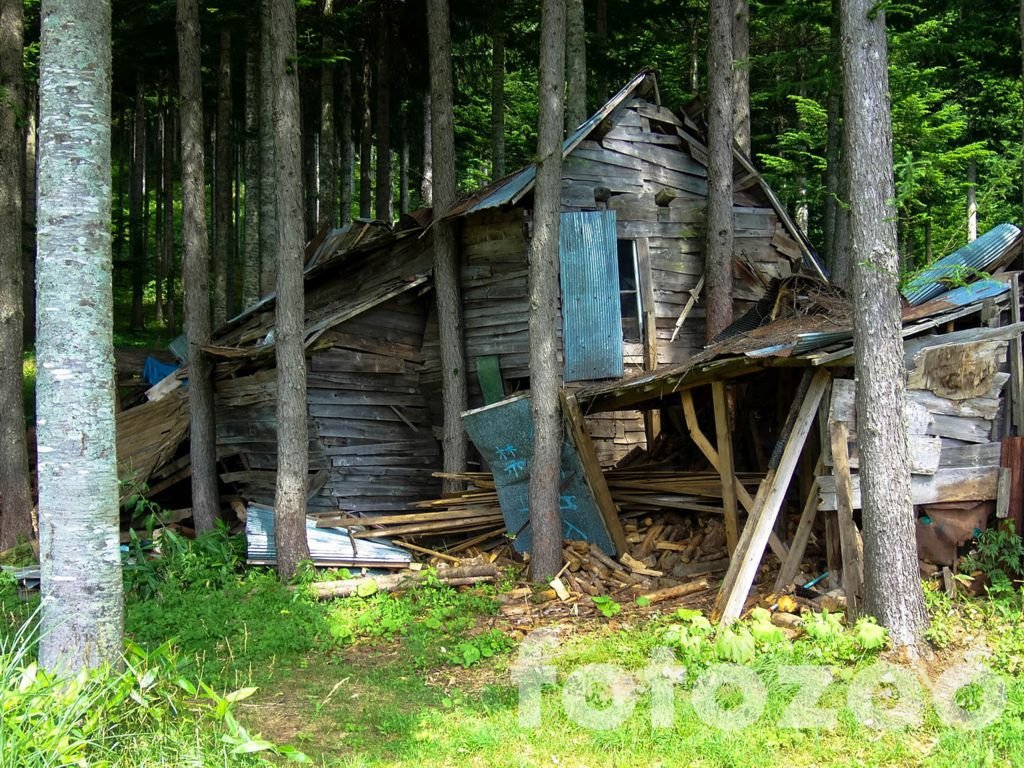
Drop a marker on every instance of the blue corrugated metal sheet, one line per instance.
(591, 316)
(973, 257)
(968, 294)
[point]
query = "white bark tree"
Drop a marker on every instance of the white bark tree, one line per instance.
(892, 581)
(79, 554)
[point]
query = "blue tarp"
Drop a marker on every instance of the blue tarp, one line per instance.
(154, 371)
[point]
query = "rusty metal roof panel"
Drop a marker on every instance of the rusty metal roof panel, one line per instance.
(991, 248)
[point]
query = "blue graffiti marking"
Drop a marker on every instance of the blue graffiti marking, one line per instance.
(515, 467)
(506, 452)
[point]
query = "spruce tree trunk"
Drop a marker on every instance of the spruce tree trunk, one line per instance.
(545, 378)
(160, 235)
(268, 204)
(741, 75)
(28, 215)
(137, 235)
(575, 65)
(718, 270)
(328, 171)
(347, 148)
(833, 139)
(167, 246)
(366, 139)
(309, 119)
(79, 556)
(195, 272)
(15, 489)
(251, 254)
(601, 44)
(222, 182)
(403, 173)
(498, 90)
(292, 431)
(427, 180)
(892, 581)
(383, 202)
(446, 256)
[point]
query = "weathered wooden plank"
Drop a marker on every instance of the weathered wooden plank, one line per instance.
(957, 371)
(664, 157)
(963, 456)
(852, 565)
(947, 484)
(975, 407)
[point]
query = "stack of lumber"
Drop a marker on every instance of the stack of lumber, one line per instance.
(642, 490)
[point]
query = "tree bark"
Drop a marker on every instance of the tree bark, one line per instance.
(163, 179)
(718, 271)
(695, 56)
(383, 190)
(892, 582)
(79, 556)
(427, 181)
(167, 245)
(268, 205)
(15, 488)
(196, 272)
(446, 257)
(251, 255)
(328, 173)
(972, 200)
(403, 172)
(741, 75)
(222, 182)
(601, 44)
(575, 65)
(498, 90)
(366, 139)
(833, 140)
(292, 431)
(347, 148)
(137, 235)
(545, 516)
(28, 215)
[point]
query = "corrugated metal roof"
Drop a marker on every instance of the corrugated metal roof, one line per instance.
(987, 250)
(590, 295)
(513, 188)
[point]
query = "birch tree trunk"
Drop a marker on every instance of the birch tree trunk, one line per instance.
(972, 200)
(268, 203)
(79, 554)
(347, 148)
(328, 173)
(292, 431)
(575, 65)
(251, 255)
(741, 75)
(222, 181)
(498, 90)
(137, 235)
(718, 257)
(366, 139)
(545, 516)
(892, 582)
(195, 272)
(427, 181)
(446, 257)
(15, 491)
(384, 194)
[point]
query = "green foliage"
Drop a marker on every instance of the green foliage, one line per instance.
(177, 563)
(999, 555)
(606, 605)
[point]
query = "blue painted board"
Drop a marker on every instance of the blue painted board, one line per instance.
(503, 433)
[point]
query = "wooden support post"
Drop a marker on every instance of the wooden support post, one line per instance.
(1016, 416)
(723, 435)
(853, 578)
(791, 564)
(754, 538)
(1012, 456)
(652, 417)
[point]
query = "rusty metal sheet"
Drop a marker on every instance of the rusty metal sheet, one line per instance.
(591, 315)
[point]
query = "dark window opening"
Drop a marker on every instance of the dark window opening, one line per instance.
(629, 292)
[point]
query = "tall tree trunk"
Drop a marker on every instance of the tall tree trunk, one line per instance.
(741, 75)
(251, 255)
(833, 139)
(328, 172)
(292, 431)
(498, 90)
(347, 148)
(575, 65)
(159, 197)
(15, 491)
(720, 142)
(309, 119)
(427, 180)
(167, 245)
(892, 581)
(972, 200)
(383, 202)
(545, 381)
(601, 43)
(695, 56)
(28, 214)
(446, 257)
(403, 172)
(79, 556)
(366, 139)
(135, 216)
(268, 202)
(1021, 27)
(222, 182)
(195, 271)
